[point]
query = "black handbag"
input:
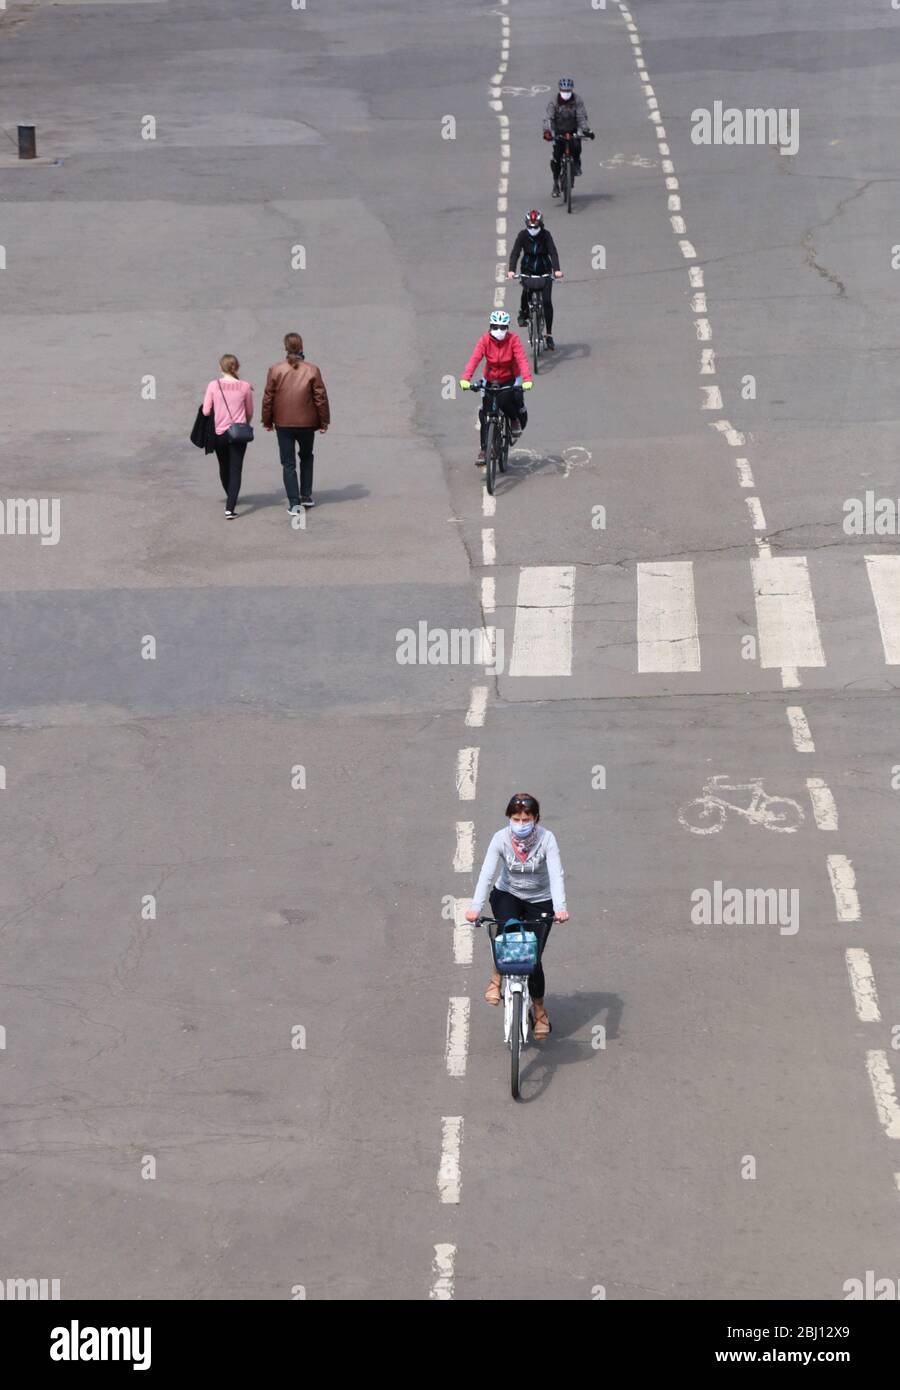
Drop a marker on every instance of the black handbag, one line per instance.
(237, 432)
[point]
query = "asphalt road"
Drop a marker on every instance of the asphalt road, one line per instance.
(736, 1136)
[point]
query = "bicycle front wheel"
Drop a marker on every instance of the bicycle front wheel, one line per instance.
(515, 1044)
(535, 332)
(503, 450)
(490, 456)
(570, 179)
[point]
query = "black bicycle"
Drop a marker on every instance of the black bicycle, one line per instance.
(534, 284)
(499, 431)
(567, 173)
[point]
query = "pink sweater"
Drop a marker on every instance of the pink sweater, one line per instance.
(238, 394)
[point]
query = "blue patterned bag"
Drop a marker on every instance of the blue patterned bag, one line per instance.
(515, 952)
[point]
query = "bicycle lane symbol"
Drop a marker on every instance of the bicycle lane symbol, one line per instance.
(707, 813)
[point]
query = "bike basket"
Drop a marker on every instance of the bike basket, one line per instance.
(515, 952)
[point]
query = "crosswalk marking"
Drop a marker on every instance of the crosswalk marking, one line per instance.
(542, 639)
(667, 617)
(785, 613)
(884, 578)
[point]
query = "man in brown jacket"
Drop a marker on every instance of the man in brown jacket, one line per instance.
(296, 403)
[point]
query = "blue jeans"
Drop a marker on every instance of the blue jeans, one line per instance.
(292, 439)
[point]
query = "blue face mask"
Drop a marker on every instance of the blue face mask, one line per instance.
(521, 828)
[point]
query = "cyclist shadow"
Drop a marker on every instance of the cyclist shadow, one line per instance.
(564, 352)
(570, 1013)
(584, 200)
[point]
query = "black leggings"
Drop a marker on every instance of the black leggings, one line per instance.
(512, 403)
(547, 297)
(506, 905)
(230, 454)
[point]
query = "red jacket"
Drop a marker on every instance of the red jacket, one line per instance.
(505, 360)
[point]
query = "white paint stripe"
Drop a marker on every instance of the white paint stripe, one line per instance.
(660, 132)
(663, 147)
(502, 204)
(488, 503)
(756, 513)
(687, 250)
(862, 983)
(800, 730)
(843, 885)
(542, 640)
(790, 676)
(704, 331)
(785, 613)
(442, 1268)
(477, 706)
(678, 226)
(698, 302)
(464, 856)
(674, 203)
(695, 275)
(667, 617)
(501, 248)
(884, 579)
(823, 803)
(449, 1179)
(488, 549)
(457, 1049)
(463, 932)
(897, 1181)
(763, 546)
(744, 473)
(501, 226)
(668, 167)
(707, 362)
(884, 1092)
(488, 595)
(466, 773)
(712, 398)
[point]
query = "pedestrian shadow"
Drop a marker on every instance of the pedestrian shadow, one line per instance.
(569, 1014)
(256, 502)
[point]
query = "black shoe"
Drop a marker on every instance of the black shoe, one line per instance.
(556, 193)
(549, 343)
(577, 171)
(522, 320)
(307, 502)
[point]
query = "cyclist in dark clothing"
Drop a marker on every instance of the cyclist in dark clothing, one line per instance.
(537, 249)
(566, 115)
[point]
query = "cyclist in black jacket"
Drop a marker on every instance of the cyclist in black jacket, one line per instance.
(539, 256)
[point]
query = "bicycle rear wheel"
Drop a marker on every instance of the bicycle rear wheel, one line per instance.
(515, 1044)
(490, 456)
(534, 332)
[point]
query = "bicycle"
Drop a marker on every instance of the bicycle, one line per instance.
(567, 173)
(706, 814)
(536, 331)
(498, 437)
(515, 963)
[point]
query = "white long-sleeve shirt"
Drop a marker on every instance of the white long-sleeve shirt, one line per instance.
(540, 876)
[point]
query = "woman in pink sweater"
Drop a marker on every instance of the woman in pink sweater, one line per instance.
(231, 402)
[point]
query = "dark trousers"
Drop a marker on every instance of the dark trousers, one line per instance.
(547, 297)
(292, 440)
(506, 905)
(559, 148)
(230, 454)
(512, 403)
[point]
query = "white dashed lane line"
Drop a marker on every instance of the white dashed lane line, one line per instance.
(463, 933)
(824, 805)
(464, 857)
(449, 1178)
(884, 1091)
(800, 730)
(442, 1270)
(862, 984)
(467, 773)
(475, 714)
(843, 885)
(457, 1047)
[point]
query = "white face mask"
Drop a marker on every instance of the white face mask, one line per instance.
(499, 333)
(565, 96)
(521, 828)
(533, 231)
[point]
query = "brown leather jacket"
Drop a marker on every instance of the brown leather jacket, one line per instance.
(295, 396)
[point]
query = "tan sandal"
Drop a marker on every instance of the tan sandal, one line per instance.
(542, 1027)
(492, 993)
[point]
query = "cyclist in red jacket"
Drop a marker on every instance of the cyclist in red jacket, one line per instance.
(505, 363)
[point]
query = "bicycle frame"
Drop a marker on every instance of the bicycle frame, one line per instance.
(515, 984)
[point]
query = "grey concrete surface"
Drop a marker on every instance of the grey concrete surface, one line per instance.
(321, 907)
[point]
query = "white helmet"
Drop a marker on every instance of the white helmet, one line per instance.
(499, 319)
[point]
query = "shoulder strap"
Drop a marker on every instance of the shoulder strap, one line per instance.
(224, 401)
